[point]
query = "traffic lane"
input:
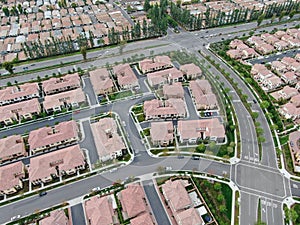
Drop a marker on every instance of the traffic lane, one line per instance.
(271, 212)
(206, 166)
(56, 196)
(78, 217)
(248, 209)
(274, 57)
(33, 125)
(155, 203)
(295, 188)
(263, 181)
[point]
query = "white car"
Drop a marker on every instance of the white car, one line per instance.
(15, 217)
(96, 189)
(51, 118)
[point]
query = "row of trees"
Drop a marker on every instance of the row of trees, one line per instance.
(213, 18)
(55, 46)
(138, 31)
(14, 10)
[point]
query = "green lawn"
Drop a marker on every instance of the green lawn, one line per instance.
(119, 95)
(283, 139)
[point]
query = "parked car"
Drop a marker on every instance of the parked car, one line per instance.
(42, 193)
(15, 217)
(96, 189)
(195, 157)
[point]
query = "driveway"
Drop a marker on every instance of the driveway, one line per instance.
(155, 203)
(77, 215)
(88, 89)
(88, 142)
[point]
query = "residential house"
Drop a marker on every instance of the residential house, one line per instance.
(202, 94)
(57, 217)
(256, 68)
(284, 94)
(167, 76)
(271, 83)
(279, 33)
(155, 64)
(289, 77)
(49, 138)
(174, 90)
(278, 66)
(133, 201)
(161, 133)
(99, 210)
(234, 54)
(68, 99)
(61, 84)
(108, 142)
(125, 76)
(281, 45)
(66, 161)
(176, 195)
(191, 71)
(290, 110)
(294, 145)
(11, 177)
(101, 81)
(12, 147)
(288, 61)
(295, 66)
(297, 57)
(189, 217)
(249, 53)
(234, 43)
(143, 219)
(19, 111)
(13, 94)
(158, 109)
(190, 131)
(262, 75)
(265, 48)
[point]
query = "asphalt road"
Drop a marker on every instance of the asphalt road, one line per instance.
(274, 57)
(192, 114)
(78, 217)
(155, 203)
(88, 142)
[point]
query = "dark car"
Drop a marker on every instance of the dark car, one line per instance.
(254, 101)
(180, 156)
(42, 193)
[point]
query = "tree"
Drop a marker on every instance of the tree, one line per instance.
(201, 148)
(220, 197)
(222, 208)
(265, 104)
(260, 19)
(292, 13)
(147, 5)
(8, 66)
(281, 15)
(273, 18)
(217, 186)
(6, 11)
(83, 52)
